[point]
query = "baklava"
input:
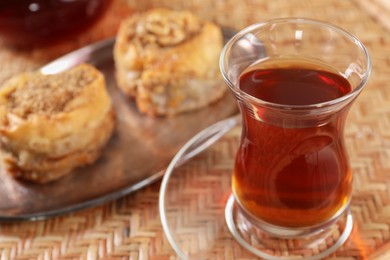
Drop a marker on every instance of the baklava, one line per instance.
(168, 61)
(51, 124)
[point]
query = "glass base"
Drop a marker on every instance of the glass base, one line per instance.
(263, 244)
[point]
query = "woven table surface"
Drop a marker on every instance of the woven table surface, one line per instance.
(130, 228)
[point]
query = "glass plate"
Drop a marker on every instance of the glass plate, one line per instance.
(194, 194)
(136, 155)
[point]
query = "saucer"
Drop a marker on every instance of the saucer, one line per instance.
(195, 196)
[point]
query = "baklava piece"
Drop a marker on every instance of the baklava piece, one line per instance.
(168, 61)
(51, 124)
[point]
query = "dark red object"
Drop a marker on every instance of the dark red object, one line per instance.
(41, 22)
(289, 174)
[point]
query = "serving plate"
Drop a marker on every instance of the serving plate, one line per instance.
(137, 154)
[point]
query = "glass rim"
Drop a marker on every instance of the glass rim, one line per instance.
(290, 20)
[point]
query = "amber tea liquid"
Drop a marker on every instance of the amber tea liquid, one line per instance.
(292, 175)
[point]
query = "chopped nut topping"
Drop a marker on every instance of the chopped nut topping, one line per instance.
(165, 29)
(47, 94)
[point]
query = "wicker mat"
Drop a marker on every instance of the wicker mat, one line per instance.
(130, 228)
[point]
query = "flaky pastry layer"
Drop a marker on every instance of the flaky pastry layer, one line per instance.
(51, 124)
(40, 168)
(168, 61)
(53, 131)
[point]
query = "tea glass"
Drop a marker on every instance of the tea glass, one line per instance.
(292, 180)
